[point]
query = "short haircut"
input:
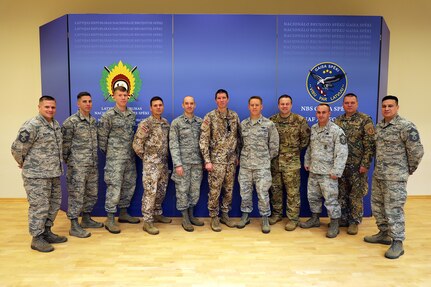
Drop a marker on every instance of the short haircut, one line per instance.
(82, 94)
(255, 97)
(350, 95)
(326, 105)
(390, 97)
(46, 98)
(156, 98)
(119, 88)
(285, 96)
(221, 91)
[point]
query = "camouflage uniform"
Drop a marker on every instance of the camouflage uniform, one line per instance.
(184, 146)
(353, 186)
(80, 155)
(218, 144)
(151, 145)
(259, 145)
(398, 154)
(115, 136)
(294, 135)
(38, 150)
(326, 155)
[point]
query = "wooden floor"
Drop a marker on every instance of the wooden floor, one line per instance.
(232, 257)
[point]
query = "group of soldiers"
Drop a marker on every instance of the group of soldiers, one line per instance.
(338, 157)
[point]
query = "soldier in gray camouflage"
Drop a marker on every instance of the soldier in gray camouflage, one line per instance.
(259, 144)
(294, 133)
(325, 159)
(115, 137)
(218, 145)
(353, 185)
(151, 145)
(398, 154)
(80, 155)
(37, 150)
(186, 156)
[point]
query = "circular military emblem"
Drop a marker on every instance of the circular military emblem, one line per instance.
(413, 135)
(326, 82)
(24, 136)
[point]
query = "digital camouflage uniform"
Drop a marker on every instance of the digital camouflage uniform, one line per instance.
(353, 186)
(294, 135)
(259, 144)
(115, 137)
(218, 144)
(398, 154)
(80, 155)
(151, 145)
(38, 150)
(184, 137)
(326, 155)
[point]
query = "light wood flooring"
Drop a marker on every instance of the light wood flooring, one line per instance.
(232, 257)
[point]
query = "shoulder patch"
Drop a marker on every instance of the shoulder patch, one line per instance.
(413, 135)
(370, 130)
(24, 136)
(343, 139)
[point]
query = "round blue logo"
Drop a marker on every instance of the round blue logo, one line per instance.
(326, 82)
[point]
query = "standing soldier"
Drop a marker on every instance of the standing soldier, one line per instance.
(398, 154)
(218, 144)
(325, 160)
(37, 150)
(151, 145)
(353, 185)
(187, 160)
(115, 133)
(259, 139)
(80, 154)
(294, 135)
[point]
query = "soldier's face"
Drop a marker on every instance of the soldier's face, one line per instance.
(85, 104)
(285, 106)
(121, 98)
(389, 109)
(47, 109)
(350, 105)
(255, 107)
(189, 105)
(157, 108)
(222, 100)
(322, 114)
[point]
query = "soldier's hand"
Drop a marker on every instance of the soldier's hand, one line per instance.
(306, 168)
(209, 167)
(363, 169)
(179, 170)
(333, 176)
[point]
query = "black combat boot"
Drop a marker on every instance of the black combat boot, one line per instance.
(52, 237)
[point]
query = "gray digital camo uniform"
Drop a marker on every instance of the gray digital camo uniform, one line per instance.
(80, 155)
(184, 146)
(218, 144)
(115, 136)
(398, 154)
(37, 149)
(151, 145)
(260, 143)
(326, 155)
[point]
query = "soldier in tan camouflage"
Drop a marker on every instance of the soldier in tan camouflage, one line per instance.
(38, 152)
(218, 144)
(294, 134)
(398, 154)
(353, 185)
(151, 145)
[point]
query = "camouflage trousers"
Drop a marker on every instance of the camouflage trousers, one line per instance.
(44, 198)
(322, 185)
(221, 181)
(387, 203)
(188, 186)
(82, 186)
(155, 178)
(352, 187)
(261, 179)
(120, 178)
(291, 180)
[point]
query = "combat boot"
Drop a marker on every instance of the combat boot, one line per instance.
(333, 229)
(290, 225)
(186, 221)
(215, 224)
(352, 229)
(124, 217)
(274, 218)
(110, 224)
(265, 225)
(396, 250)
(243, 221)
(150, 228)
(77, 230)
(88, 222)
(52, 237)
(226, 220)
(162, 219)
(382, 238)
(40, 244)
(194, 220)
(313, 221)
